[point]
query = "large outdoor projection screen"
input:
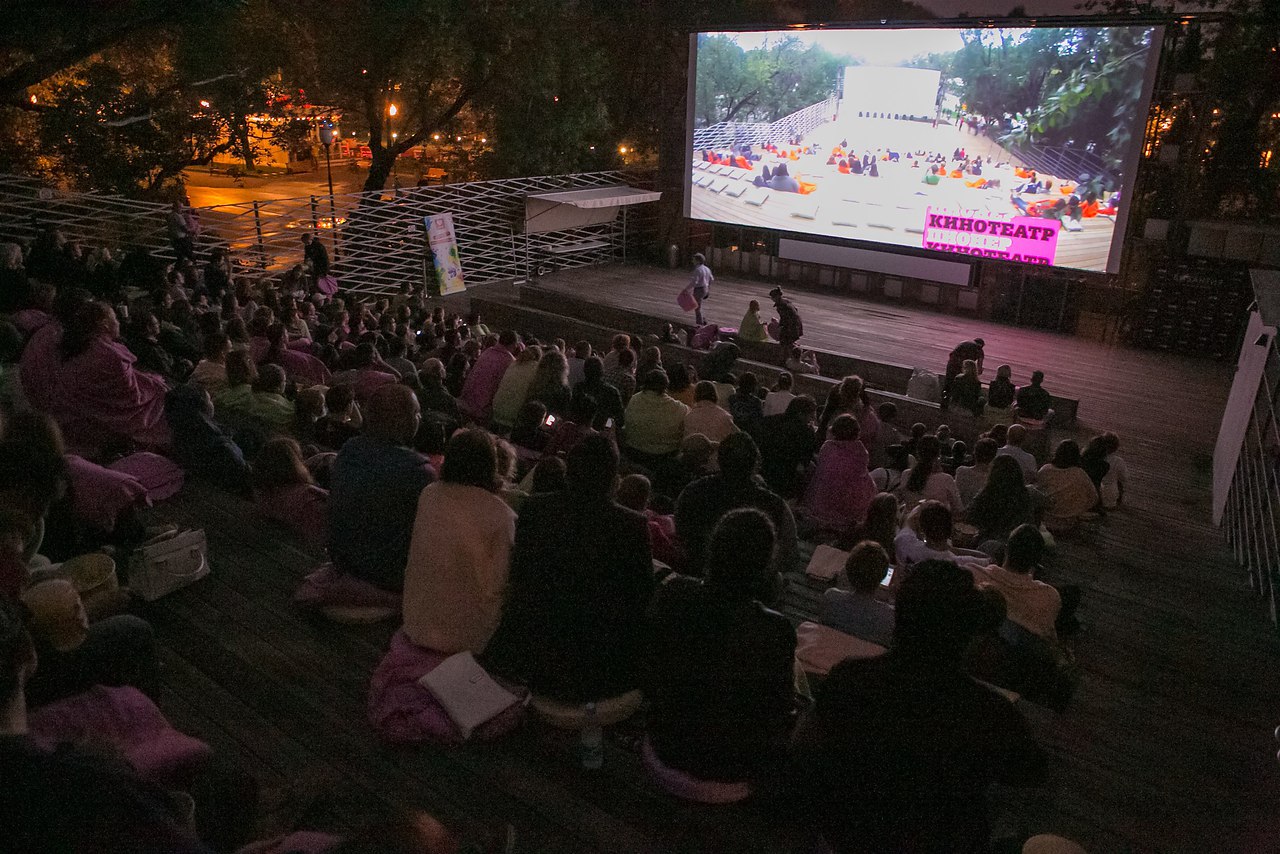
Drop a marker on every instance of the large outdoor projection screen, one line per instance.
(1019, 144)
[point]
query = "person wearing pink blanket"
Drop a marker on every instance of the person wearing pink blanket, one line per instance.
(99, 395)
(841, 489)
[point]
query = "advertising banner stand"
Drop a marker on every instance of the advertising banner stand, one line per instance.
(443, 276)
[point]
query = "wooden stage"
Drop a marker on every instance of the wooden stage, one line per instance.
(1167, 745)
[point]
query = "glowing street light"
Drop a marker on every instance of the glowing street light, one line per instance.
(392, 110)
(436, 137)
(395, 135)
(622, 149)
(203, 103)
(34, 99)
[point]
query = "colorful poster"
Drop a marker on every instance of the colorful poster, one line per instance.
(1028, 239)
(442, 244)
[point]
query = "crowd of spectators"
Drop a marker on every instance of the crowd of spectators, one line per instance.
(586, 524)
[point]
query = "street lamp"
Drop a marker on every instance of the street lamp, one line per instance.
(327, 135)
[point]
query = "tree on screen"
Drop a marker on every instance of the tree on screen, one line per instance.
(763, 84)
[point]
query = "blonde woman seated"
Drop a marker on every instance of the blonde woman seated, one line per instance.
(456, 577)
(751, 329)
(1070, 491)
(706, 416)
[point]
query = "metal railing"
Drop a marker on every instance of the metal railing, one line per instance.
(724, 134)
(376, 240)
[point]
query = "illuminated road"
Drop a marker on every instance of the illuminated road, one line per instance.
(207, 190)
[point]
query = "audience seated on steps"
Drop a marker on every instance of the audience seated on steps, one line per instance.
(850, 396)
(841, 488)
(736, 485)
(1031, 604)
(1070, 492)
(375, 486)
(706, 416)
(635, 493)
(788, 442)
(581, 579)
(1015, 437)
(72, 800)
(286, 492)
(99, 396)
(718, 661)
(1004, 502)
(861, 609)
(436, 402)
(201, 445)
(655, 422)
(926, 535)
(931, 738)
(210, 373)
(513, 389)
(456, 576)
(367, 374)
(751, 328)
(550, 384)
(926, 481)
(776, 401)
(609, 403)
(1033, 405)
(622, 374)
(971, 479)
(746, 405)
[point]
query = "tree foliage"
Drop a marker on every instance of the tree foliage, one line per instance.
(763, 84)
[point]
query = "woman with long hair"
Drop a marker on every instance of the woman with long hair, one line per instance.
(1004, 502)
(927, 481)
(550, 385)
(1070, 491)
(286, 491)
(456, 578)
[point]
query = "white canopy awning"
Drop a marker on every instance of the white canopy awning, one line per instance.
(567, 209)
(599, 197)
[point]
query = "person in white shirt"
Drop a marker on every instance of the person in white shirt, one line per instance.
(1031, 604)
(1117, 476)
(700, 285)
(777, 401)
(706, 416)
(971, 479)
(927, 481)
(926, 535)
(1014, 438)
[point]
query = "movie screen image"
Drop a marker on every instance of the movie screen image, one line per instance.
(1019, 144)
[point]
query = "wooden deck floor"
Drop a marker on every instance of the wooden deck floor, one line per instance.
(1167, 746)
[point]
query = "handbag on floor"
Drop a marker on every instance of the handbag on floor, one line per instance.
(168, 563)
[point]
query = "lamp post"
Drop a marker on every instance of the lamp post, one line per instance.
(392, 110)
(327, 135)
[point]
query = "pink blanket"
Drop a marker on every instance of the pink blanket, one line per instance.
(301, 507)
(99, 495)
(125, 719)
(841, 489)
(100, 396)
(41, 366)
(404, 712)
(302, 368)
(482, 382)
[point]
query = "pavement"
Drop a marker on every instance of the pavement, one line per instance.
(206, 189)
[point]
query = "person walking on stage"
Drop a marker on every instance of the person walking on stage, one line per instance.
(790, 329)
(700, 285)
(955, 364)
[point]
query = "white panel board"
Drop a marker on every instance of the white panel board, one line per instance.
(891, 263)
